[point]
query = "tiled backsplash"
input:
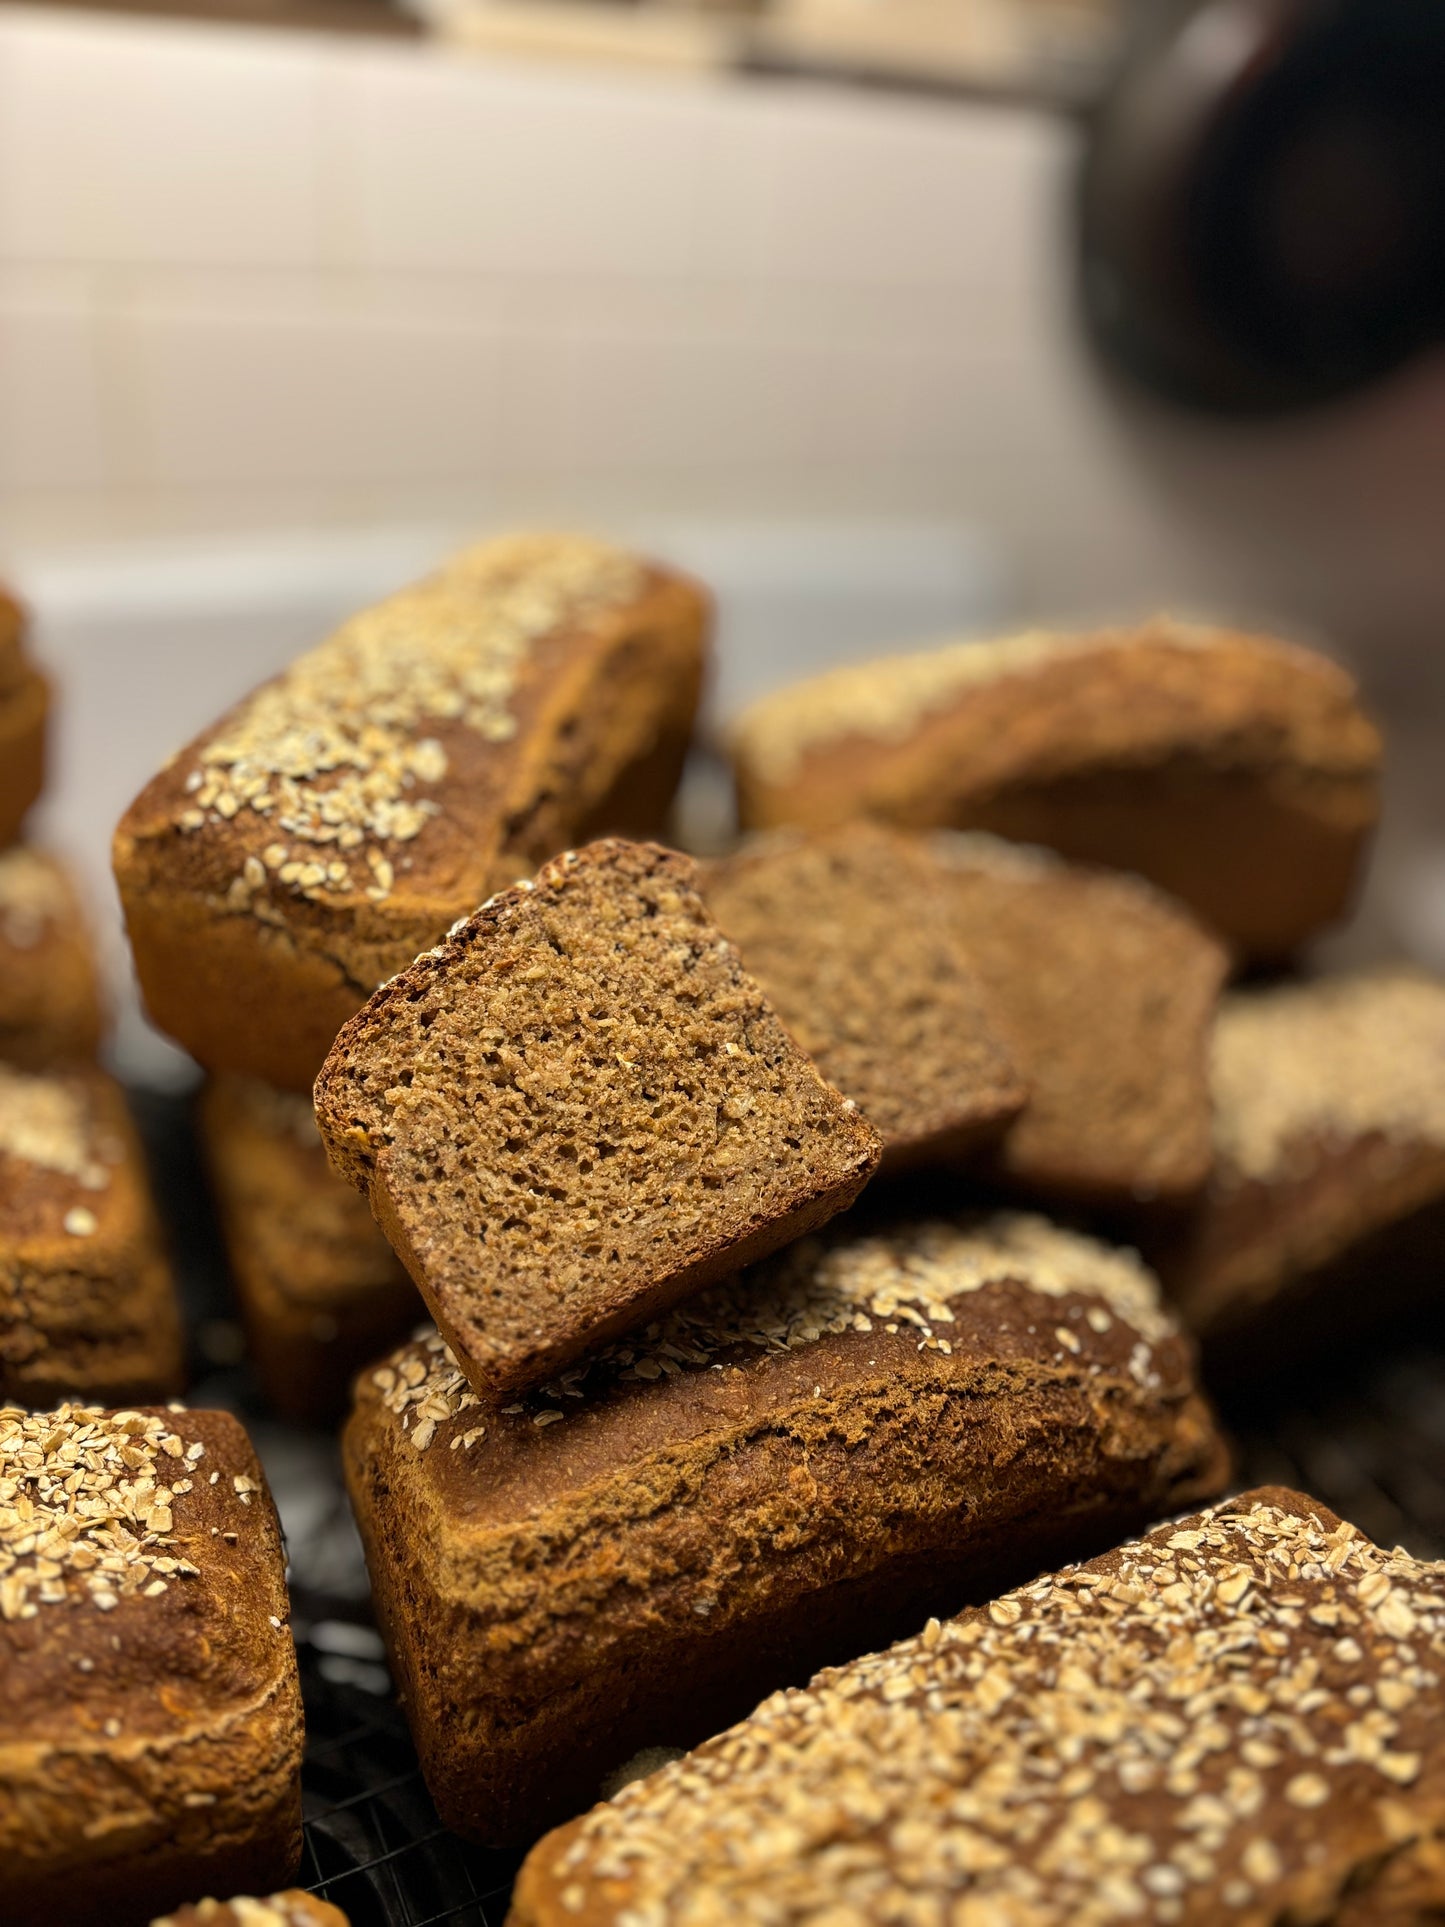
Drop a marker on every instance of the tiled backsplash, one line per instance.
(257, 282)
(254, 281)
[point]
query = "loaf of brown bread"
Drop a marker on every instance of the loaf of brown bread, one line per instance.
(50, 1004)
(790, 1467)
(578, 1109)
(335, 823)
(24, 713)
(1104, 991)
(87, 1304)
(1235, 1718)
(850, 935)
(150, 1716)
(321, 1291)
(1328, 1187)
(1238, 772)
(294, 1908)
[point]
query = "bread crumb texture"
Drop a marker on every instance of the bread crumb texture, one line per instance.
(850, 935)
(48, 1122)
(907, 1277)
(335, 755)
(1333, 1061)
(578, 1097)
(294, 1908)
(1237, 1716)
(887, 699)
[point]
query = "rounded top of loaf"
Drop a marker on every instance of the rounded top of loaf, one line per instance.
(1129, 692)
(1211, 1713)
(1337, 1059)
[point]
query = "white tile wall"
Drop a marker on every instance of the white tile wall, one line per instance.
(255, 281)
(132, 145)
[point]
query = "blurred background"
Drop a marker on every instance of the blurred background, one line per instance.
(892, 318)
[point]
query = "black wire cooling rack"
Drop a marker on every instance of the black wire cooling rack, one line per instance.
(1366, 1436)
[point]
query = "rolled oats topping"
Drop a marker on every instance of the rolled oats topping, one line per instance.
(1115, 1742)
(336, 756)
(908, 1279)
(87, 1507)
(1338, 1059)
(424, 1387)
(47, 1121)
(888, 699)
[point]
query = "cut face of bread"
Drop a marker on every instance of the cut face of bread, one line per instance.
(1104, 991)
(1236, 1718)
(535, 691)
(885, 1420)
(1237, 772)
(1328, 1186)
(578, 1109)
(850, 935)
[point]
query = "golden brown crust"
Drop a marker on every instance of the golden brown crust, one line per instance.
(87, 1302)
(321, 1291)
(294, 1908)
(1237, 1718)
(13, 624)
(24, 714)
(849, 933)
(149, 1748)
(1167, 749)
(260, 924)
(1329, 1177)
(50, 1002)
(789, 1467)
(578, 1109)
(1104, 991)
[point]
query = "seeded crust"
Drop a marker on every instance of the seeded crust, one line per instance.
(1104, 992)
(1328, 1188)
(50, 1004)
(150, 1746)
(578, 1109)
(321, 1291)
(877, 1423)
(294, 1908)
(850, 936)
(1236, 1717)
(24, 714)
(333, 825)
(87, 1303)
(1238, 772)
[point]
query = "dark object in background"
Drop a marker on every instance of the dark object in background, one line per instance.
(1262, 205)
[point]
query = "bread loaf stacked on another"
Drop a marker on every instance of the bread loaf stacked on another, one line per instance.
(579, 1108)
(881, 1422)
(1237, 772)
(308, 845)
